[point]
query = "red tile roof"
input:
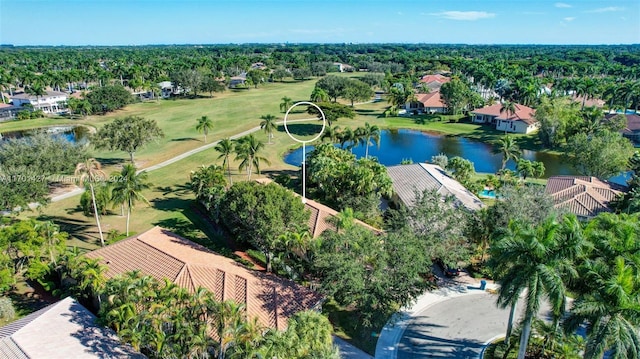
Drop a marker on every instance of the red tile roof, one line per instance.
(432, 99)
(523, 113)
(581, 195)
(162, 254)
(633, 122)
(435, 78)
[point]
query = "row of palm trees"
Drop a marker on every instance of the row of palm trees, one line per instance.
(122, 189)
(598, 262)
(366, 136)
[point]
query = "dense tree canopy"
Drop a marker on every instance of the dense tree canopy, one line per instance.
(108, 98)
(127, 134)
(603, 154)
(258, 214)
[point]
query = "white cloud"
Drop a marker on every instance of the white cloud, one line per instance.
(464, 15)
(562, 5)
(607, 9)
(570, 18)
(316, 31)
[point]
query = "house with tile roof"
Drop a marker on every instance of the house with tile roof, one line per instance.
(163, 254)
(632, 129)
(50, 102)
(62, 330)
(418, 177)
(521, 121)
(584, 196)
(433, 82)
(321, 215)
(427, 103)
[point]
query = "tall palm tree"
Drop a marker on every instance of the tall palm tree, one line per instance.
(128, 190)
(608, 292)
(268, 124)
(525, 259)
(204, 125)
(285, 104)
(225, 147)
(91, 171)
(368, 133)
(509, 149)
(347, 136)
(247, 151)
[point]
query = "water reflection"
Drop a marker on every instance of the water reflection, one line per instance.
(73, 134)
(421, 146)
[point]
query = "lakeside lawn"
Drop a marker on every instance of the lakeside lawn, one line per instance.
(232, 112)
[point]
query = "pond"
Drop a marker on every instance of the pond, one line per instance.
(399, 145)
(73, 134)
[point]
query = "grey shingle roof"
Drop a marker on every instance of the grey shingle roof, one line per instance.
(407, 179)
(65, 329)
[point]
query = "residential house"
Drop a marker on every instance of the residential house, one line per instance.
(433, 82)
(632, 129)
(521, 121)
(343, 67)
(321, 215)
(427, 103)
(162, 254)
(62, 330)
(8, 112)
(584, 196)
(50, 102)
(239, 80)
(418, 177)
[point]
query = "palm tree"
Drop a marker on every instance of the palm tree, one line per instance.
(509, 149)
(204, 125)
(526, 258)
(225, 147)
(247, 149)
(319, 95)
(128, 190)
(509, 108)
(367, 133)
(331, 133)
(608, 292)
(347, 136)
(285, 104)
(91, 171)
(269, 125)
(36, 89)
(587, 88)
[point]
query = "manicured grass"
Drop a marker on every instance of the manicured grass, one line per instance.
(15, 125)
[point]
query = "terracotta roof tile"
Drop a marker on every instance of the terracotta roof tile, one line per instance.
(581, 195)
(432, 99)
(163, 254)
(523, 113)
(435, 78)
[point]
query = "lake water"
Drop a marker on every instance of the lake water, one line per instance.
(397, 145)
(73, 134)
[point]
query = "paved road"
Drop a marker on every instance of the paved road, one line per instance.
(455, 328)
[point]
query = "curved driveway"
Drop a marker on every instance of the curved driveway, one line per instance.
(455, 328)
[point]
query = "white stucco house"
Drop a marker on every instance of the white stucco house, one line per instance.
(50, 102)
(520, 121)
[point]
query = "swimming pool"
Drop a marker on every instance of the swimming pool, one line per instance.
(487, 193)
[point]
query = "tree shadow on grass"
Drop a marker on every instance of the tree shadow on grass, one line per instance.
(111, 161)
(181, 189)
(75, 227)
(302, 129)
(183, 139)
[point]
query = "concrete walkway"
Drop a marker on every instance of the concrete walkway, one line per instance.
(77, 191)
(348, 351)
(392, 333)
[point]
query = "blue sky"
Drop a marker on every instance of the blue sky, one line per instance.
(140, 22)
